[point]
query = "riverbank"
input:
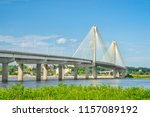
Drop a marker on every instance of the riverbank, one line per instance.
(140, 76)
(56, 76)
(73, 92)
(81, 76)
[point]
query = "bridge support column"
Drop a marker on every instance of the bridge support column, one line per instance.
(94, 72)
(116, 73)
(61, 72)
(109, 73)
(38, 72)
(45, 72)
(124, 73)
(4, 72)
(75, 72)
(86, 72)
(20, 72)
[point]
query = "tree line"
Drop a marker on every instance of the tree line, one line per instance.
(131, 71)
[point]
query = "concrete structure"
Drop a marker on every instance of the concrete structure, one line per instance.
(61, 72)
(4, 72)
(86, 72)
(45, 72)
(43, 59)
(94, 72)
(38, 72)
(20, 72)
(75, 72)
(31, 58)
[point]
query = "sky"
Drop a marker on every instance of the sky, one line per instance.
(59, 26)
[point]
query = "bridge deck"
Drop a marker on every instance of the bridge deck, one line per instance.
(35, 58)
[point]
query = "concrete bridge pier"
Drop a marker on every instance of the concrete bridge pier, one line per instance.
(61, 72)
(86, 72)
(116, 73)
(44, 72)
(4, 72)
(75, 72)
(20, 72)
(38, 72)
(94, 72)
(124, 73)
(109, 73)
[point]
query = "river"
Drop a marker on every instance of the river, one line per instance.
(125, 82)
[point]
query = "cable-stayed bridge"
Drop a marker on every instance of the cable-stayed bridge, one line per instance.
(92, 52)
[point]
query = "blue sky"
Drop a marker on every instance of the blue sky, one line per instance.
(48, 26)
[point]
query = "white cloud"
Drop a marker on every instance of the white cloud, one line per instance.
(38, 37)
(38, 44)
(27, 41)
(61, 40)
(73, 40)
(6, 38)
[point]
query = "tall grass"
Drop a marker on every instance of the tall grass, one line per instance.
(72, 92)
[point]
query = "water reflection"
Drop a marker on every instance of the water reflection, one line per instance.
(126, 82)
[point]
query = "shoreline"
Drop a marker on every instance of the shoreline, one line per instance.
(81, 76)
(15, 76)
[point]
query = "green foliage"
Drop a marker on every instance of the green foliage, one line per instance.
(73, 92)
(129, 76)
(13, 70)
(80, 70)
(138, 70)
(133, 72)
(140, 76)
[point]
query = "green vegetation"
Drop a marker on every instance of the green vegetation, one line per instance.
(140, 76)
(138, 72)
(72, 92)
(133, 72)
(31, 70)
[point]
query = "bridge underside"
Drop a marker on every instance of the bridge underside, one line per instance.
(117, 71)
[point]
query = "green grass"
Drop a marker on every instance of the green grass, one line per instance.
(141, 76)
(72, 92)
